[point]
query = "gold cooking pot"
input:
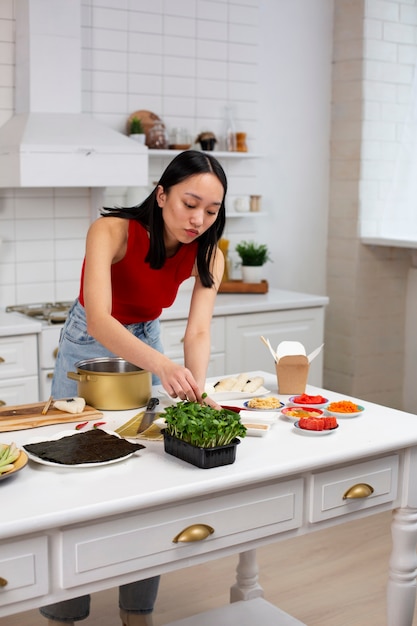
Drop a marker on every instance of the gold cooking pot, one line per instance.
(112, 384)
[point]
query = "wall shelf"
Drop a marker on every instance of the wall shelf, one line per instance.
(234, 214)
(219, 155)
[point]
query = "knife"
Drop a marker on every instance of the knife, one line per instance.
(149, 416)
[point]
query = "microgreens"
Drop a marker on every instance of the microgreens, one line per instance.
(202, 425)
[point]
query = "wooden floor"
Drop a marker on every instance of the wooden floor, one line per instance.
(335, 577)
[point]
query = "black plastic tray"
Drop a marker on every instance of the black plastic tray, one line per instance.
(204, 458)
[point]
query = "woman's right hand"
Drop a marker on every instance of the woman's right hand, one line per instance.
(179, 382)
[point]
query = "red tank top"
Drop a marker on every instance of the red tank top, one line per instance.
(139, 292)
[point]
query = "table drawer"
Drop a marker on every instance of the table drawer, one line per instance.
(327, 489)
(172, 335)
(24, 569)
(146, 540)
(18, 356)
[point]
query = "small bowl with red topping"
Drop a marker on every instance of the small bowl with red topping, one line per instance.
(304, 400)
(294, 413)
(344, 408)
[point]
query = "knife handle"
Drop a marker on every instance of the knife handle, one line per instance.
(152, 403)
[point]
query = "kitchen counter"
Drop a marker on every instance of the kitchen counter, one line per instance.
(114, 524)
(16, 324)
(231, 304)
(226, 304)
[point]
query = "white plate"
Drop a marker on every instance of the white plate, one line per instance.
(314, 433)
(275, 409)
(291, 402)
(343, 415)
(68, 433)
(235, 395)
(224, 395)
(295, 418)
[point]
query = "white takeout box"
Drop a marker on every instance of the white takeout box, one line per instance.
(293, 366)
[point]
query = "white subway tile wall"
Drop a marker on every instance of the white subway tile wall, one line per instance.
(390, 56)
(375, 50)
(184, 60)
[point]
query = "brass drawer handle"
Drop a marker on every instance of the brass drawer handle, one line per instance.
(361, 490)
(2, 360)
(3, 582)
(196, 532)
(2, 403)
(55, 353)
(50, 375)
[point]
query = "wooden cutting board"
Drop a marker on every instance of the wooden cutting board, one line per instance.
(238, 286)
(24, 416)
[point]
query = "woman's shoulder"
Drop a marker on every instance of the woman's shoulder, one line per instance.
(111, 223)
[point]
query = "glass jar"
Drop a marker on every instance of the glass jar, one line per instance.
(157, 137)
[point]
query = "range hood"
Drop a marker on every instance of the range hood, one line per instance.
(49, 142)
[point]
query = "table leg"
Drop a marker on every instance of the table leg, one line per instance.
(401, 592)
(246, 586)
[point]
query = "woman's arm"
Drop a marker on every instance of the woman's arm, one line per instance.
(106, 244)
(197, 335)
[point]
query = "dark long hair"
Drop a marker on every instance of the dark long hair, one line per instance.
(149, 213)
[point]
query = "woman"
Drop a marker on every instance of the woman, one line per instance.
(135, 260)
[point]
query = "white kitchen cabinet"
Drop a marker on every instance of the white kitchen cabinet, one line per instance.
(147, 539)
(172, 335)
(23, 570)
(236, 345)
(18, 369)
(245, 350)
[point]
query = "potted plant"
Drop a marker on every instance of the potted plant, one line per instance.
(136, 130)
(253, 256)
(202, 435)
(207, 140)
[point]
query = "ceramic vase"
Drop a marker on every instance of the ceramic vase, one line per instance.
(252, 273)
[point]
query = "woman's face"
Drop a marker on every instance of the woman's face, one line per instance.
(190, 207)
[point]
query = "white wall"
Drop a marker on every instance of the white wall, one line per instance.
(185, 60)
(295, 101)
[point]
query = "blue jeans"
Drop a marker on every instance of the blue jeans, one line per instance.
(76, 345)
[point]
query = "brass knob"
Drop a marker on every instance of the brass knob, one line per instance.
(2, 403)
(2, 360)
(3, 582)
(361, 490)
(50, 375)
(196, 532)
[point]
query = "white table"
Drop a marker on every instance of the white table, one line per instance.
(64, 532)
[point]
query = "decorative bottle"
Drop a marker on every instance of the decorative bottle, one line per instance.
(230, 131)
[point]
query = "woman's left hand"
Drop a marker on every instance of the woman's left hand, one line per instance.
(212, 403)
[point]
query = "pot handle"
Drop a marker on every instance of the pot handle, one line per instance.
(81, 378)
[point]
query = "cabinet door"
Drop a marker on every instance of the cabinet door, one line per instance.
(24, 569)
(245, 350)
(18, 356)
(19, 391)
(172, 335)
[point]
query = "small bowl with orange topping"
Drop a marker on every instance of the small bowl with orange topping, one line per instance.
(344, 408)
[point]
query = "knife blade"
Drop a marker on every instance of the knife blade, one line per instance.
(149, 416)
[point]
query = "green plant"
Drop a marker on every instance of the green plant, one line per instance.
(252, 253)
(136, 126)
(201, 425)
